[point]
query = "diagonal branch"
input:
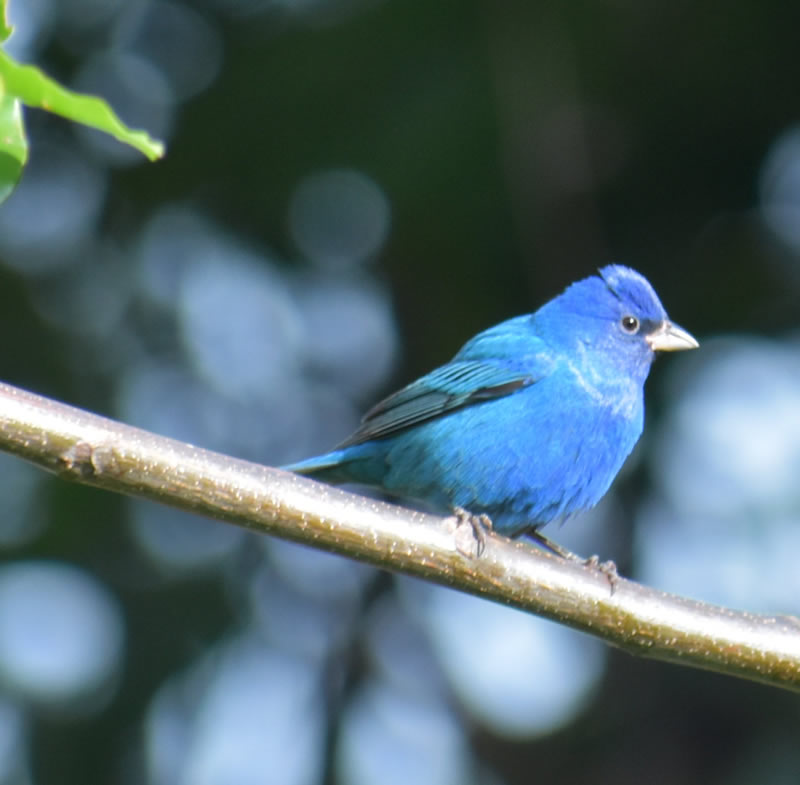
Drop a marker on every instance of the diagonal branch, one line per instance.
(94, 450)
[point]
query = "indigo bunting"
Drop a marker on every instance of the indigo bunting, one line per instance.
(532, 419)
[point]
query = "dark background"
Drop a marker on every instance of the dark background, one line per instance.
(477, 157)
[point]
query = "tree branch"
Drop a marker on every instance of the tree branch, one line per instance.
(94, 450)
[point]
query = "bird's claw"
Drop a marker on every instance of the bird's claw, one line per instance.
(479, 526)
(607, 568)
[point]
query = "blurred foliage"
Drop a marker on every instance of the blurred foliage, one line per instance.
(14, 151)
(30, 86)
(519, 147)
(20, 84)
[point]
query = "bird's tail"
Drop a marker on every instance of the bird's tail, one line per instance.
(348, 465)
(320, 467)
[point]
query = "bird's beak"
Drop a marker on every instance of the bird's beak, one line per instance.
(668, 337)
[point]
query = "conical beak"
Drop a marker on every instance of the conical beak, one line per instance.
(668, 337)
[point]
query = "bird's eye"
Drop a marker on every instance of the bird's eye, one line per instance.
(630, 324)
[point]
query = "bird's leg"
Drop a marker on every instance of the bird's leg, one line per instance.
(553, 547)
(480, 524)
(607, 568)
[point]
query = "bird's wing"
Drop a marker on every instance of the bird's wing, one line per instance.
(457, 384)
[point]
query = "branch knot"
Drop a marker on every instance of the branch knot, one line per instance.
(77, 462)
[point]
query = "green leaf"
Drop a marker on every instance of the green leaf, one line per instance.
(5, 28)
(13, 145)
(34, 88)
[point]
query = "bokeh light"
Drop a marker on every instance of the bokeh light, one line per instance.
(33, 23)
(61, 635)
(246, 714)
(253, 342)
(725, 525)
(14, 753)
(351, 340)
(88, 298)
(177, 540)
(393, 738)
(170, 243)
(178, 40)
(49, 219)
(322, 576)
(24, 510)
(299, 625)
(779, 188)
(82, 18)
(519, 675)
(338, 218)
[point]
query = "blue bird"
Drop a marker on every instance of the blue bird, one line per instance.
(530, 422)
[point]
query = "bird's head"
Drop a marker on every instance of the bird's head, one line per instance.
(639, 311)
(618, 318)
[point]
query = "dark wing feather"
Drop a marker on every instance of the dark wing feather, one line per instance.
(458, 384)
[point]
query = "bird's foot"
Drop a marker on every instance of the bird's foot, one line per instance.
(478, 526)
(607, 568)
